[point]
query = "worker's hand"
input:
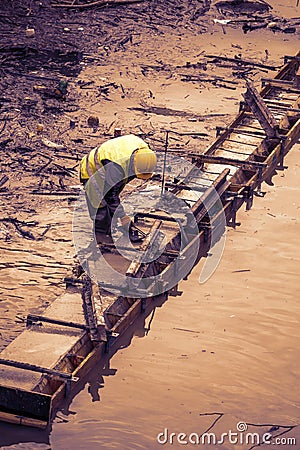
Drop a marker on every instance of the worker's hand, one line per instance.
(125, 221)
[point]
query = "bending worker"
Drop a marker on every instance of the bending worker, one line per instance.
(106, 170)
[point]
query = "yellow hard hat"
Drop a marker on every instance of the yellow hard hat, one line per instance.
(144, 163)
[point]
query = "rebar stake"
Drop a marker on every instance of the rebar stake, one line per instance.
(165, 162)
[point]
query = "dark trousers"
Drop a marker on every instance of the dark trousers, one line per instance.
(101, 215)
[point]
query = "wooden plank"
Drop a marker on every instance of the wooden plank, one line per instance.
(228, 161)
(125, 321)
(208, 199)
(92, 358)
(3, 180)
(292, 137)
(261, 111)
(286, 72)
(274, 157)
(277, 83)
(20, 402)
(22, 420)
(287, 89)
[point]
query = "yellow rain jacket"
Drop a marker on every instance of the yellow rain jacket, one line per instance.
(118, 150)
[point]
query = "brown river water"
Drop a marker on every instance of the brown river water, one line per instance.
(224, 354)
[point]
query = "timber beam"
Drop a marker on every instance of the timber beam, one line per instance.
(210, 159)
(261, 111)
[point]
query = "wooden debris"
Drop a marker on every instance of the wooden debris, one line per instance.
(241, 62)
(43, 167)
(216, 81)
(185, 329)
(3, 180)
(17, 224)
(97, 3)
(163, 111)
(51, 144)
(58, 192)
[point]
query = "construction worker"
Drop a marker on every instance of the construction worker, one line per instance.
(106, 170)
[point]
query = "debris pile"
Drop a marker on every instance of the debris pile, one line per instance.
(253, 15)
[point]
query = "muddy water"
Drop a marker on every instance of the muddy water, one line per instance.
(286, 8)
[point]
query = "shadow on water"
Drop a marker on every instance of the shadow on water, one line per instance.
(11, 434)
(14, 434)
(95, 378)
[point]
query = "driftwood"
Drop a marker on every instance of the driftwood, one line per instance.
(163, 111)
(97, 3)
(57, 192)
(4, 180)
(4, 125)
(214, 80)
(17, 223)
(240, 61)
(31, 76)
